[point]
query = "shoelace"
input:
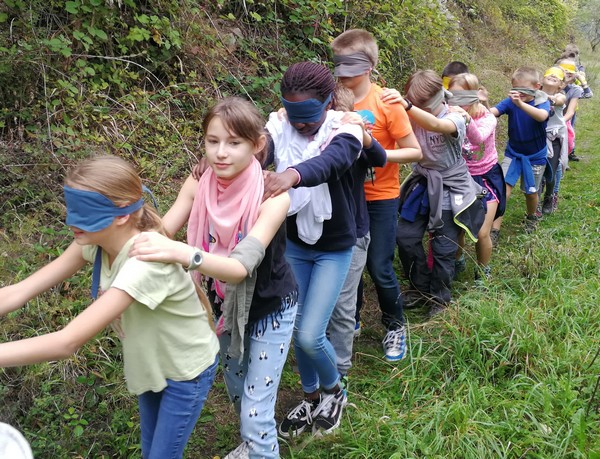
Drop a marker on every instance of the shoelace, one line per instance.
(305, 407)
(395, 337)
(329, 405)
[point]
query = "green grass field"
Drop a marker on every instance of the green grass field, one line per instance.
(509, 371)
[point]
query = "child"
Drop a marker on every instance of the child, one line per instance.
(169, 347)
(451, 69)
(525, 156)
(237, 241)
(439, 196)
(573, 92)
(556, 137)
(314, 154)
(342, 325)
(481, 157)
(355, 57)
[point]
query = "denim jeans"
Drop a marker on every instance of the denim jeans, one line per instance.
(383, 216)
(320, 276)
(341, 325)
(252, 383)
(168, 417)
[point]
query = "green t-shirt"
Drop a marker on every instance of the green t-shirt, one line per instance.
(166, 333)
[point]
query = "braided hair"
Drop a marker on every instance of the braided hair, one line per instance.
(308, 77)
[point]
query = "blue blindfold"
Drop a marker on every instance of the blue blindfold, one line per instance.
(91, 211)
(307, 111)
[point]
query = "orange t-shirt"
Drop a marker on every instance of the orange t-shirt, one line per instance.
(391, 123)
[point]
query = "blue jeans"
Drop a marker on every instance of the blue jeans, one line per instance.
(320, 276)
(252, 383)
(383, 216)
(168, 417)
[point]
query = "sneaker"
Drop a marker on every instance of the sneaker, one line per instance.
(298, 419)
(531, 223)
(460, 265)
(241, 452)
(436, 308)
(483, 274)
(328, 415)
(573, 157)
(554, 202)
(495, 237)
(357, 328)
(547, 205)
(538, 211)
(394, 344)
(412, 299)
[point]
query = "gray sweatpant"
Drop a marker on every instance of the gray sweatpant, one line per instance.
(340, 329)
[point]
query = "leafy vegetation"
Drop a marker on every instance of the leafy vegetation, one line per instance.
(509, 372)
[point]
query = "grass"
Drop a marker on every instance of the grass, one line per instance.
(508, 371)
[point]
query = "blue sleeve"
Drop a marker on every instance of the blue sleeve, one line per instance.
(332, 163)
(545, 106)
(375, 155)
(504, 106)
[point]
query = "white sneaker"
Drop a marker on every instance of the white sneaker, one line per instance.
(394, 345)
(241, 452)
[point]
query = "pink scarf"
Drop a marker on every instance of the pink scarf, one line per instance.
(224, 211)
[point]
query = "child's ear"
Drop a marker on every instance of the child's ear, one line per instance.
(538, 85)
(261, 144)
(122, 219)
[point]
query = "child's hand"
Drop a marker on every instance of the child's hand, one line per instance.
(152, 246)
(461, 112)
(278, 183)
(282, 114)
(200, 168)
(515, 96)
(392, 96)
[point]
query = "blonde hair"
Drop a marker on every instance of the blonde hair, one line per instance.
(469, 82)
(343, 98)
(526, 74)
(422, 86)
(354, 41)
(116, 179)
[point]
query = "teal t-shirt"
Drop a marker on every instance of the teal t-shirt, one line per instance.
(165, 331)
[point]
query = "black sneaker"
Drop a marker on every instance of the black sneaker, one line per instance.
(298, 419)
(573, 157)
(531, 223)
(495, 237)
(547, 207)
(412, 299)
(328, 415)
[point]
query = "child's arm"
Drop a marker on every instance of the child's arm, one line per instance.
(15, 296)
(537, 114)
(494, 111)
(558, 99)
(421, 117)
(479, 129)
(66, 342)
(570, 111)
(179, 213)
(408, 150)
(153, 246)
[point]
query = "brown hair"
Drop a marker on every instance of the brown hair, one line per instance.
(526, 74)
(116, 179)
(422, 86)
(240, 117)
(469, 82)
(343, 98)
(354, 41)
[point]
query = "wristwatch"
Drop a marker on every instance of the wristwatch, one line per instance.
(195, 260)
(409, 104)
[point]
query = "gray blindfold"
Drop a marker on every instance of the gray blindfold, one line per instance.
(437, 99)
(351, 65)
(463, 97)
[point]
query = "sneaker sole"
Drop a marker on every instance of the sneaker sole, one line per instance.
(297, 432)
(390, 358)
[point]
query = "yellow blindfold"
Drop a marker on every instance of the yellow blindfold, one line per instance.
(555, 72)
